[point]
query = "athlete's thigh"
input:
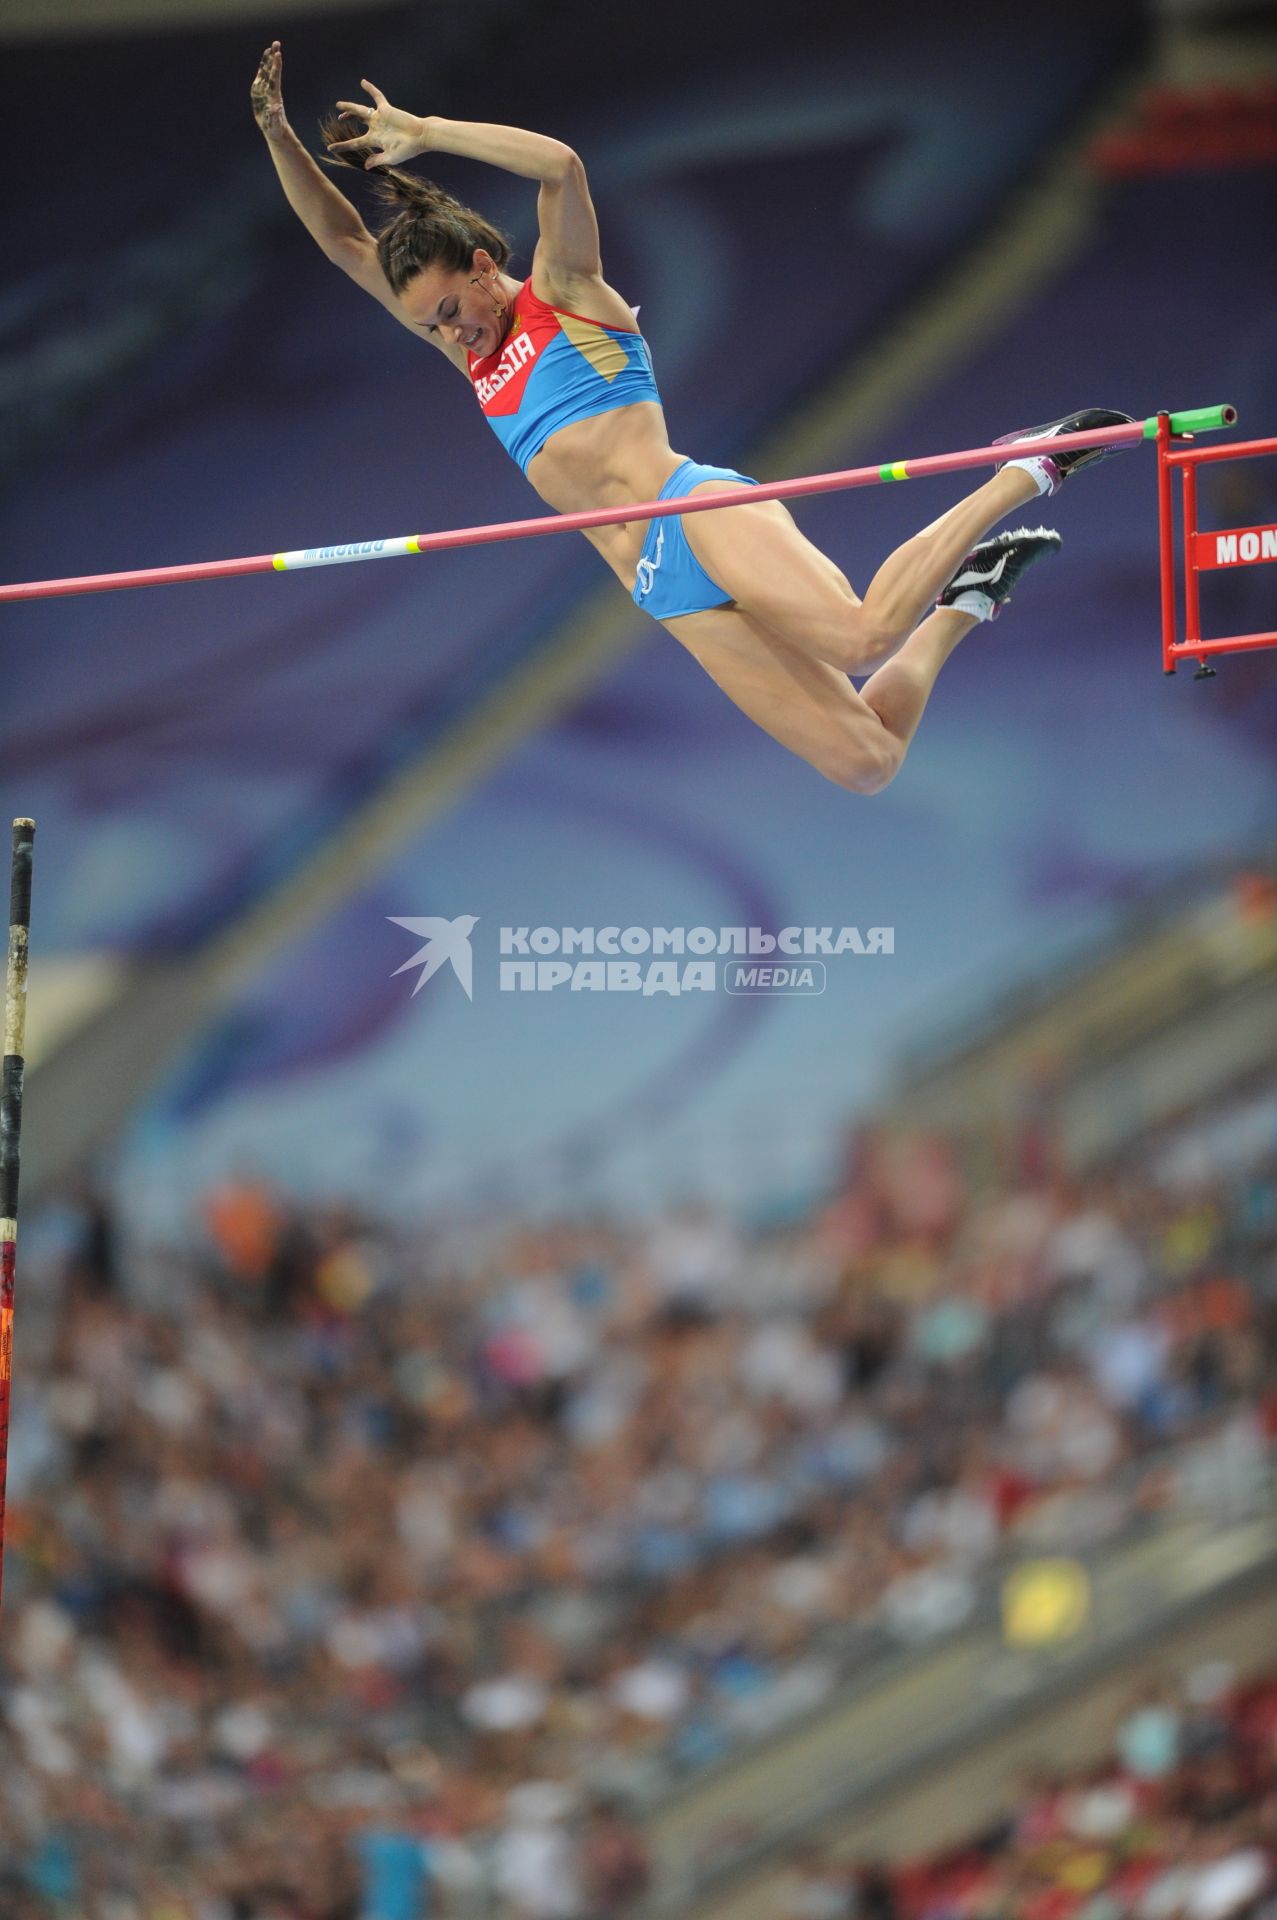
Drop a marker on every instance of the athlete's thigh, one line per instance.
(804, 703)
(758, 555)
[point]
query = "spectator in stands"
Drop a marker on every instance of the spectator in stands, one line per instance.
(616, 1872)
(818, 1886)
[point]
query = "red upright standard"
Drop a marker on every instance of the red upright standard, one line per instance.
(1204, 552)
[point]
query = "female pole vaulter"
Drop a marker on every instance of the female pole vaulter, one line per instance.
(561, 371)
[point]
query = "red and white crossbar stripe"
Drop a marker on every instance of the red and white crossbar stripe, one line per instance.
(342, 554)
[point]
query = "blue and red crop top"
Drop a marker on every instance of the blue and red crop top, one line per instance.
(554, 367)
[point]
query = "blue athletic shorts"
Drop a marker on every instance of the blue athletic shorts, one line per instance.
(671, 580)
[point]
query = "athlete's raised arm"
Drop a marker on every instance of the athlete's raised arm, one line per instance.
(325, 212)
(568, 251)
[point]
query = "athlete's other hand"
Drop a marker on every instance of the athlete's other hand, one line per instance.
(391, 135)
(267, 99)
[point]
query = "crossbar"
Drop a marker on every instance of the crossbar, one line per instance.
(341, 554)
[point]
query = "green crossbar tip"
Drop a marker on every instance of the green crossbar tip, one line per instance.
(1195, 420)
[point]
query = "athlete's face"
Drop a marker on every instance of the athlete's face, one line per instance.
(470, 310)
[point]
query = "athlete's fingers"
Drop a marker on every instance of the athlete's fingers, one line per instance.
(375, 159)
(376, 92)
(348, 107)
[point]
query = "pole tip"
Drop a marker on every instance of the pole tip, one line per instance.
(22, 821)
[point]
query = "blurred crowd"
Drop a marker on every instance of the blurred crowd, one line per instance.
(1179, 1822)
(346, 1562)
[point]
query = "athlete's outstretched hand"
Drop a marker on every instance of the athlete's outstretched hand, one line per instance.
(267, 99)
(391, 135)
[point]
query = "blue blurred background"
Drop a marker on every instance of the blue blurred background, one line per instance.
(191, 380)
(288, 1218)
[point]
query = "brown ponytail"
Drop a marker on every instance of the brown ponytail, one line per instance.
(430, 228)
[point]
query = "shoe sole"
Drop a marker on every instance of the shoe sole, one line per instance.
(1047, 539)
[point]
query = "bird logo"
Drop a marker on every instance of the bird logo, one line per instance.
(446, 941)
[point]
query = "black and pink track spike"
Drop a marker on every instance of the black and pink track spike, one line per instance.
(1055, 468)
(997, 565)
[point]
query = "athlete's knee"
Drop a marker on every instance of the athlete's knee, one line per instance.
(864, 640)
(866, 762)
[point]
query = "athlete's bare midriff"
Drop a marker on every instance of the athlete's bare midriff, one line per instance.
(607, 461)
